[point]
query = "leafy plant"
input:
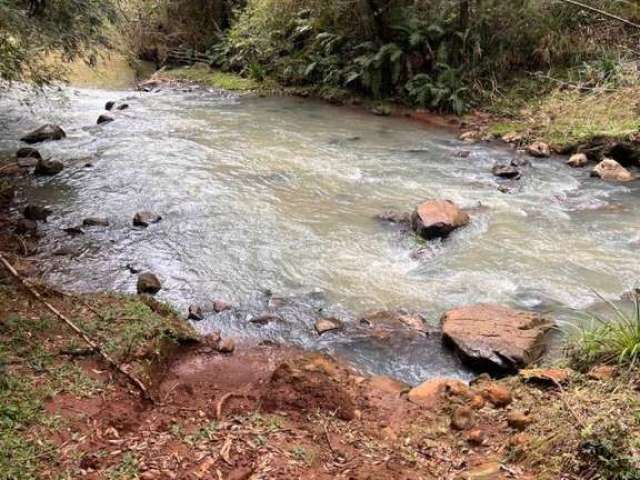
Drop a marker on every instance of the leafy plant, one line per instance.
(444, 92)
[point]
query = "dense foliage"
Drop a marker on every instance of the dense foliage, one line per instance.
(432, 53)
(34, 34)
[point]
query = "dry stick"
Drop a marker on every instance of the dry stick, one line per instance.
(601, 12)
(94, 346)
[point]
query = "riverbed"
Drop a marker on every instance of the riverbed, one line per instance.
(270, 204)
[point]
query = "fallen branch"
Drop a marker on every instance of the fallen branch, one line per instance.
(93, 345)
(601, 12)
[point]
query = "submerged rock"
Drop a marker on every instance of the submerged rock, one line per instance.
(220, 306)
(437, 218)
(495, 337)
(95, 222)
(123, 106)
(145, 218)
(148, 283)
(28, 152)
(35, 212)
(506, 171)
(73, 231)
(324, 325)
(539, 150)
(394, 319)
(48, 167)
(578, 160)
(394, 216)
(611, 171)
(105, 119)
(44, 133)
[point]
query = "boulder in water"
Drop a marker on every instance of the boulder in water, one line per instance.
(109, 105)
(577, 160)
(123, 106)
(44, 133)
(494, 337)
(28, 152)
(196, 312)
(612, 171)
(104, 118)
(394, 216)
(506, 171)
(437, 218)
(48, 167)
(36, 213)
(539, 150)
(145, 218)
(148, 283)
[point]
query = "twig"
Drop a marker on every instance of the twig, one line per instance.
(94, 346)
(224, 398)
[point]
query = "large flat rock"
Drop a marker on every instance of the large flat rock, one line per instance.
(437, 219)
(494, 337)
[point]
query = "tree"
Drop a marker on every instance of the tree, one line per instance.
(34, 34)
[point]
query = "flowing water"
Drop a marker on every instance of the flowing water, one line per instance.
(277, 196)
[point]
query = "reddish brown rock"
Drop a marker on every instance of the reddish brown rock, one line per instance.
(603, 372)
(227, 346)
(388, 385)
(437, 219)
(148, 283)
(462, 418)
(431, 392)
(611, 171)
(546, 376)
(497, 395)
(518, 420)
(539, 150)
(324, 325)
(494, 337)
(393, 319)
(475, 437)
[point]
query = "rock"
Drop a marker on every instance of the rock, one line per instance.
(196, 313)
(497, 395)
(462, 418)
(470, 136)
(476, 437)
(220, 306)
(611, 171)
(324, 325)
(48, 167)
(26, 227)
(518, 420)
(512, 137)
(44, 133)
(95, 222)
(28, 152)
(546, 376)
(477, 402)
(133, 269)
(430, 393)
(65, 251)
(394, 216)
(603, 372)
(578, 160)
(104, 118)
(123, 106)
(227, 346)
(486, 471)
(109, 105)
(27, 162)
(34, 212)
(265, 319)
(520, 161)
(495, 338)
(145, 218)
(539, 150)
(463, 154)
(306, 391)
(73, 231)
(148, 283)
(437, 218)
(505, 171)
(394, 319)
(388, 385)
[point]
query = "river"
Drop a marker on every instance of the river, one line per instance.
(278, 196)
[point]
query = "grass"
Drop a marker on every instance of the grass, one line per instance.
(32, 371)
(564, 117)
(614, 338)
(204, 75)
